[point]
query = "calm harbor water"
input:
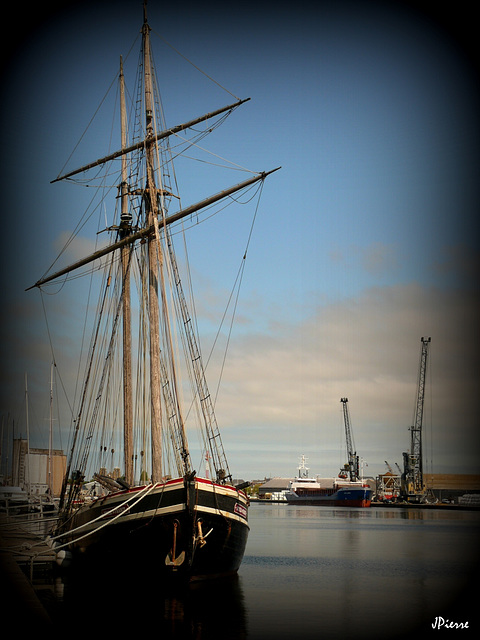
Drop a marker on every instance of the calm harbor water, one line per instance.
(374, 573)
(317, 572)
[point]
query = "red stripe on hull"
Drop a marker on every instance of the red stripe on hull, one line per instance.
(193, 528)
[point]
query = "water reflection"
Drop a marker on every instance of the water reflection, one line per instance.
(372, 573)
(340, 512)
(209, 609)
(308, 572)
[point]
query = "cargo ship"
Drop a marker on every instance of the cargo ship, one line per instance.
(341, 491)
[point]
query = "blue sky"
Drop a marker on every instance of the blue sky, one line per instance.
(363, 242)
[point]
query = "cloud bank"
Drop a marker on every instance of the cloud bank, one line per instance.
(284, 387)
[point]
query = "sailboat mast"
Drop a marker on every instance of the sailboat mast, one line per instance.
(50, 451)
(27, 466)
(154, 259)
(125, 230)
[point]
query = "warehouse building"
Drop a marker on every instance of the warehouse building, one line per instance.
(40, 471)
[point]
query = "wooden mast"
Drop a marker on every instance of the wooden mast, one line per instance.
(125, 230)
(154, 261)
(127, 236)
(50, 443)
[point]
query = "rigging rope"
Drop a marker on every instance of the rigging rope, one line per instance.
(194, 65)
(191, 143)
(240, 278)
(115, 78)
(95, 370)
(144, 492)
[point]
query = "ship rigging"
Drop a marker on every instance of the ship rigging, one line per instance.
(197, 526)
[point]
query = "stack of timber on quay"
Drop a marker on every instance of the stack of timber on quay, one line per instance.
(447, 491)
(452, 486)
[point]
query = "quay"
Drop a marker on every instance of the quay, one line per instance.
(426, 505)
(26, 572)
(386, 505)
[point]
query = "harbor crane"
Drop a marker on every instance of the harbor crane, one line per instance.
(413, 487)
(352, 466)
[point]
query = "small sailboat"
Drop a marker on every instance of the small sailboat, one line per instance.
(158, 510)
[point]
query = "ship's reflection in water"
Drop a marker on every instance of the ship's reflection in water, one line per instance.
(207, 610)
(116, 599)
(308, 574)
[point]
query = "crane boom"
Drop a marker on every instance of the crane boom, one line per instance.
(413, 461)
(352, 466)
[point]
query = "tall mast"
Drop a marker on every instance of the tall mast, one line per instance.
(155, 221)
(27, 466)
(50, 451)
(125, 230)
(154, 259)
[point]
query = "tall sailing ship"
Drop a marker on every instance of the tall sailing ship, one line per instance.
(159, 510)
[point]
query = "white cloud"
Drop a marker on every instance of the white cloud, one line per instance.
(281, 388)
(289, 383)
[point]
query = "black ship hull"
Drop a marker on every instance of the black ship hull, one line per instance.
(189, 529)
